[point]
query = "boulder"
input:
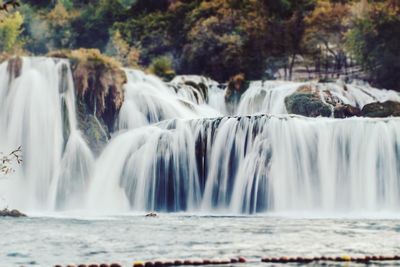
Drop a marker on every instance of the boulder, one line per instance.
(346, 111)
(311, 101)
(381, 110)
(307, 104)
(11, 213)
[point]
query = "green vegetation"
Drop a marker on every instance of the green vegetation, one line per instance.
(10, 31)
(375, 42)
(219, 38)
(99, 82)
(162, 67)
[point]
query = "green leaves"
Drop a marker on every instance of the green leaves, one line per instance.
(10, 30)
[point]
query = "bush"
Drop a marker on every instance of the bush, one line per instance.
(162, 67)
(10, 30)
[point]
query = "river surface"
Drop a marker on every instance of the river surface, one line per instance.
(65, 239)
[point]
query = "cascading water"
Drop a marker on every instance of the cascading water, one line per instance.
(175, 150)
(269, 97)
(148, 100)
(253, 164)
(37, 112)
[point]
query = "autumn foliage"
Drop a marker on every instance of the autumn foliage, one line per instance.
(220, 38)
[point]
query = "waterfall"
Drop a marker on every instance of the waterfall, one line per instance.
(37, 112)
(253, 164)
(148, 100)
(176, 148)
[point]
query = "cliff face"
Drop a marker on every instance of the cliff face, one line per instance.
(99, 84)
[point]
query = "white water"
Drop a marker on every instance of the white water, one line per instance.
(31, 116)
(176, 152)
(268, 97)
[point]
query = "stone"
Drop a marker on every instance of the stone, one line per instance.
(307, 104)
(11, 213)
(381, 110)
(346, 111)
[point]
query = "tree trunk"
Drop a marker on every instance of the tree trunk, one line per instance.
(293, 59)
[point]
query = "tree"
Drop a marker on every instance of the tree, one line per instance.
(375, 39)
(120, 49)
(92, 26)
(60, 20)
(10, 31)
(325, 33)
(226, 37)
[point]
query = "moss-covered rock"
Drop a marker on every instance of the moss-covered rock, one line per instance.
(381, 110)
(311, 101)
(307, 104)
(98, 82)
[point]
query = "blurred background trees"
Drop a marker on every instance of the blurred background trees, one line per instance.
(220, 38)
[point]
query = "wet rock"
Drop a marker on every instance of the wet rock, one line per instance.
(315, 101)
(198, 84)
(94, 130)
(11, 213)
(14, 67)
(346, 111)
(381, 110)
(307, 104)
